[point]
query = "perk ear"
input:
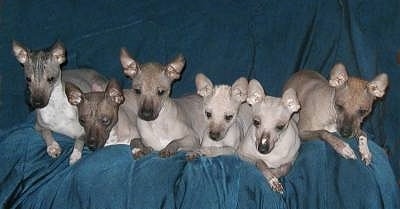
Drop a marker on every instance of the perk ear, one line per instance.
(20, 52)
(255, 92)
(114, 92)
(239, 89)
(130, 66)
(175, 67)
(74, 94)
(378, 86)
(58, 52)
(338, 75)
(203, 85)
(289, 99)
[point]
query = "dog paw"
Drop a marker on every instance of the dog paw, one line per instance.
(192, 155)
(54, 150)
(138, 153)
(366, 155)
(166, 153)
(275, 185)
(347, 152)
(75, 156)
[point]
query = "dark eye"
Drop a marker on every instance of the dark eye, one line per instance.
(208, 114)
(137, 91)
(339, 107)
(82, 121)
(105, 121)
(28, 79)
(160, 92)
(50, 79)
(362, 112)
(256, 123)
(228, 117)
(280, 127)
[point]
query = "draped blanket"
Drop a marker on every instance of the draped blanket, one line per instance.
(266, 40)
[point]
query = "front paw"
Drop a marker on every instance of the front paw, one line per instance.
(54, 150)
(166, 152)
(275, 185)
(75, 156)
(138, 153)
(346, 151)
(366, 155)
(192, 155)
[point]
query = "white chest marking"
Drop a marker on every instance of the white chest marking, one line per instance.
(60, 116)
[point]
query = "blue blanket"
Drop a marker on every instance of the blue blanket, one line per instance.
(266, 40)
(111, 178)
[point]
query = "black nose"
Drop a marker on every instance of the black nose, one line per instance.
(91, 143)
(263, 148)
(214, 135)
(38, 103)
(146, 114)
(346, 132)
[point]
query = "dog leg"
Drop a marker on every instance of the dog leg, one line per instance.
(77, 151)
(273, 181)
(139, 149)
(340, 146)
(187, 143)
(53, 148)
(366, 155)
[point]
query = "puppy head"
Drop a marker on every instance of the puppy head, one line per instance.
(270, 115)
(221, 104)
(42, 70)
(97, 111)
(354, 98)
(151, 82)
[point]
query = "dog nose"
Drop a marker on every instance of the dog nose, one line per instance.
(37, 103)
(214, 135)
(263, 148)
(91, 143)
(346, 132)
(146, 114)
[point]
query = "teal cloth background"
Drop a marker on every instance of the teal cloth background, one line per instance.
(266, 40)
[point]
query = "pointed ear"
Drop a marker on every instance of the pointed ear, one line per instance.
(114, 92)
(239, 89)
(203, 85)
(175, 67)
(289, 99)
(378, 85)
(338, 75)
(58, 52)
(129, 65)
(74, 94)
(20, 52)
(255, 92)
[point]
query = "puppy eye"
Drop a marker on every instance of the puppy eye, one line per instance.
(137, 91)
(208, 114)
(105, 121)
(28, 79)
(228, 117)
(160, 92)
(50, 79)
(256, 123)
(82, 121)
(280, 127)
(339, 107)
(362, 112)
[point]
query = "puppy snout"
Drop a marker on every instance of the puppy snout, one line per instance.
(92, 143)
(346, 131)
(38, 103)
(214, 135)
(146, 114)
(264, 146)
